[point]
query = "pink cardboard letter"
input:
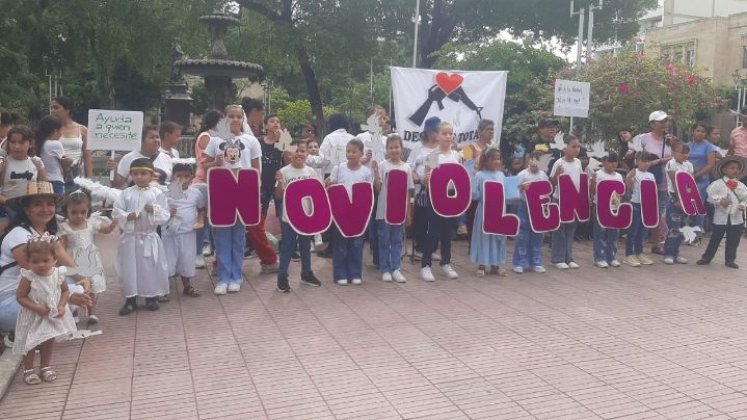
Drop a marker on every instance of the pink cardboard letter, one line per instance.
(351, 214)
(612, 214)
(450, 203)
(574, 203)
(396, 197)
(307, 206)
(649, 204)
(687, 190)
(231, 196)
(544, 216)
(495, 221)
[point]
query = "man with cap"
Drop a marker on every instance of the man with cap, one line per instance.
(547, 128)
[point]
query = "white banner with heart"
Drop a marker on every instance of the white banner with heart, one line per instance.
(462, 98)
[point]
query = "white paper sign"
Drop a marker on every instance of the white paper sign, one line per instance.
(114, 130)
(462, 98)
(572, 98)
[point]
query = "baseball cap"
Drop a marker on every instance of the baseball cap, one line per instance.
(431, 125)
(547, 122)
(657, 116)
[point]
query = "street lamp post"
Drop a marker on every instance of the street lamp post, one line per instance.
(590, 39)
(415, 39)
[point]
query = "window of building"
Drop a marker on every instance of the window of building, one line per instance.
(744, 57)
(690, 58)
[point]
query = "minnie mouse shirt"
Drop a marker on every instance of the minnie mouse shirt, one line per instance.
(238, 153)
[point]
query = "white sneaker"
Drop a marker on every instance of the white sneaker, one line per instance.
(200, 262)
(680, 260)
(220, 289)
(318, 240)
(343, 282)
(573, 265)
(386, 277)
(234, 287)
(518, 270)
(207, 250)
(615, 263)
(449, 271)
(399, 277)
(427, 274)
(356, 281)
(561, 266)
(539, 269)
(668, 260)
(435, 257)
(602, 264)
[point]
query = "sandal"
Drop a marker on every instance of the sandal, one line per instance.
(191, 291)
(30, 377)
(163, 299)
(499, 271)
(48, 374)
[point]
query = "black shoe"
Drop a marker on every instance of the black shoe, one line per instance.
(128, 308)
(732, 264)
(310, 279)
(152, 304)
(702, 262)
(283, 286)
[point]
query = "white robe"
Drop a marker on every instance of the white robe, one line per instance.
(141, 258)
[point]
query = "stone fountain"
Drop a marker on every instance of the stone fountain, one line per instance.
(217, 70)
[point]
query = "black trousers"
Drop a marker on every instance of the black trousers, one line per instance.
(733, 235)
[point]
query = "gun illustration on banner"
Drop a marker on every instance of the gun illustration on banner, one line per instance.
(437, 95)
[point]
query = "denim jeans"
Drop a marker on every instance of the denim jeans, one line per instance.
(605, 242)
(440, 230)
(9, 308)
(699, 220)
(635, 234)
(288, 243)
(675, 220)
(229, 251)
(390, 246)
(347, 257)
(58, 187)
(562, 243)
(528, 245)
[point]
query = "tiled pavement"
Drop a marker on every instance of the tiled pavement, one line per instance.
(663, 342)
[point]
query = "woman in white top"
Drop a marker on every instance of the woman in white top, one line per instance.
(74, 140)
(416, 160)
(51, 152)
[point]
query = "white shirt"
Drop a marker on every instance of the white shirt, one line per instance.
(572, 168)
(173, 153)
(674, 166)
(162, 162)
(417, 158)
(251, 150)
(717, 191)
(18, 174)
(318, 163)
(385, 168)
(526, 176)
(51, 154)
(9, 278)
(639, 176)
(602, 175)
(291, 174)
(333, 148)
(341, 174)
(186, 209)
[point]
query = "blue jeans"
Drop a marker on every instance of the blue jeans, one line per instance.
(675, 220)
(605, 242)
(347, 257)
(9, 308)
(699, 219)
(390, 246)
(288, 243)
(58, 187)
(635, 234)
(562, 243)
(229, 251)
(528, 246)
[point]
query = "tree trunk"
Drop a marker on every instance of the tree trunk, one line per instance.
(312, 87)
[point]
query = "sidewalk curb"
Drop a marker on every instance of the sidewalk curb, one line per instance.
(9, 364)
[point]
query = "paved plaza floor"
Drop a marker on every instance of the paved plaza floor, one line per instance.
(659, 342)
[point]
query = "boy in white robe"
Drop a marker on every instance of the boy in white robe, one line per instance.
(141, 258)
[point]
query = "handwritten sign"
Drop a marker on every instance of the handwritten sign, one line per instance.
(572, 98)
(114, 130)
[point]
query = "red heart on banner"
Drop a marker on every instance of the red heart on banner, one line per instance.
(449, 82)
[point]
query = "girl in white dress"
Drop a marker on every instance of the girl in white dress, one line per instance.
(141, 258)
(43, 317)
(77, 233)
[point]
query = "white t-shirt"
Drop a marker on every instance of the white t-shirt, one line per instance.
(162, 162)
(341, 174)
(526, 176)
(18, 173)
(51, 154)
(602, 175)
(173, 153)
(251, 150)
(449, 157)
(186, 209)
(639, 176)
(572, 168)
(9, 278)
(417, 158)
(291, 174)
(384, 168)
(674, 166)
(333, 148)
